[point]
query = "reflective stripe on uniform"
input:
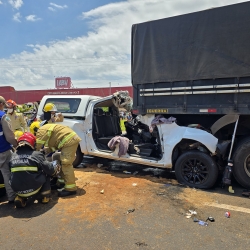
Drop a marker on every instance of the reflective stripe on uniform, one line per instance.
(2, 186)
(70, 186)
(61, 180)
(49, 132)
(18, 169)
(65, 139)
(29, 194)
(40, 141)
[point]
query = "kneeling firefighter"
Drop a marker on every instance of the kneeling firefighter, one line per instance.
(30, 172)
(52, 137)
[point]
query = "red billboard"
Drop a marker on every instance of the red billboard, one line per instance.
(63, 83)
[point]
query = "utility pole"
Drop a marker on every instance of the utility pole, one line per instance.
(110, 88)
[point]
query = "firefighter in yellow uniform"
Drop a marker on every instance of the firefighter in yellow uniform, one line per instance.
(52, 137)
(34, 127)
(17, 120)
(51, 114)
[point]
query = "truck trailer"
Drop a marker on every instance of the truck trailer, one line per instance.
(196, 68)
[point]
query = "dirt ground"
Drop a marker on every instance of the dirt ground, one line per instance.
(104, 194)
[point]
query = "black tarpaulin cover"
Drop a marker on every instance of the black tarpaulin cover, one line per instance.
(213, 43)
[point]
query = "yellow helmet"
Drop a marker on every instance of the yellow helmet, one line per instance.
(50, 107)
(34, 127)
(18, 133)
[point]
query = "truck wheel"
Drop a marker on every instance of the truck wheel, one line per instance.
(196, 169)
(241, 167)
(79, 157)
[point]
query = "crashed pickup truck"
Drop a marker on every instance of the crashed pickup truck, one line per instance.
(148, 140)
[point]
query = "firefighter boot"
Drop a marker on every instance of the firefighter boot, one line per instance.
(20, 202)
(65, 193)
(45, 200)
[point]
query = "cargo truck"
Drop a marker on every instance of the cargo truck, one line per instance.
(196, 67)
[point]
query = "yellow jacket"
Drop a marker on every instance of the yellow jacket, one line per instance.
(55, 136)
(18, 122)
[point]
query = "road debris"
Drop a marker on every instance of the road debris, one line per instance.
(210, 218)
(202, 223)
(191, 213)
(131, 210)
(126, 172)
(134, 184)
(102, 191)
(99, 165)
(136, 172)
(141, 244)
(227, 214)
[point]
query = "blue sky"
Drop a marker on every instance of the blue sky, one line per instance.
(48, 21)
(87, 40)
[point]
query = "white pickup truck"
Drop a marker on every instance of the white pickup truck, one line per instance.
(189, 152)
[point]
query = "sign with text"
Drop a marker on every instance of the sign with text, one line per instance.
(63, 82)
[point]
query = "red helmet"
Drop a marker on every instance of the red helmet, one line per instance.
(27, 139)
(11, 104)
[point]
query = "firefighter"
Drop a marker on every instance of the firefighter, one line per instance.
(7, 139)
(50, 114)
(30, 172)
(17, 119)
(52, 137)
(34, 127)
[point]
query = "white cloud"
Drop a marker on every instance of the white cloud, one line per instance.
(100, 57)
(59, 6)
(17, 17)
(16, 4)
(1, 2)
(32, 18)
(51, 9)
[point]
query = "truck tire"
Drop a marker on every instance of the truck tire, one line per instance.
(196, 169)
(241, 159)
(79, 157)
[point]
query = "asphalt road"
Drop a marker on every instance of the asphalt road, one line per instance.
(114, 210)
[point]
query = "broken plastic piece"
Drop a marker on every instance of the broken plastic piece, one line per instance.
(227, 214)
(203, 223)
(210, 218)
(192, 212)
(126, 172)
(230, 190)
(196, 220)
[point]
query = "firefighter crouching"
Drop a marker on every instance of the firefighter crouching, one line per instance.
(52, 137)
(30, 172)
